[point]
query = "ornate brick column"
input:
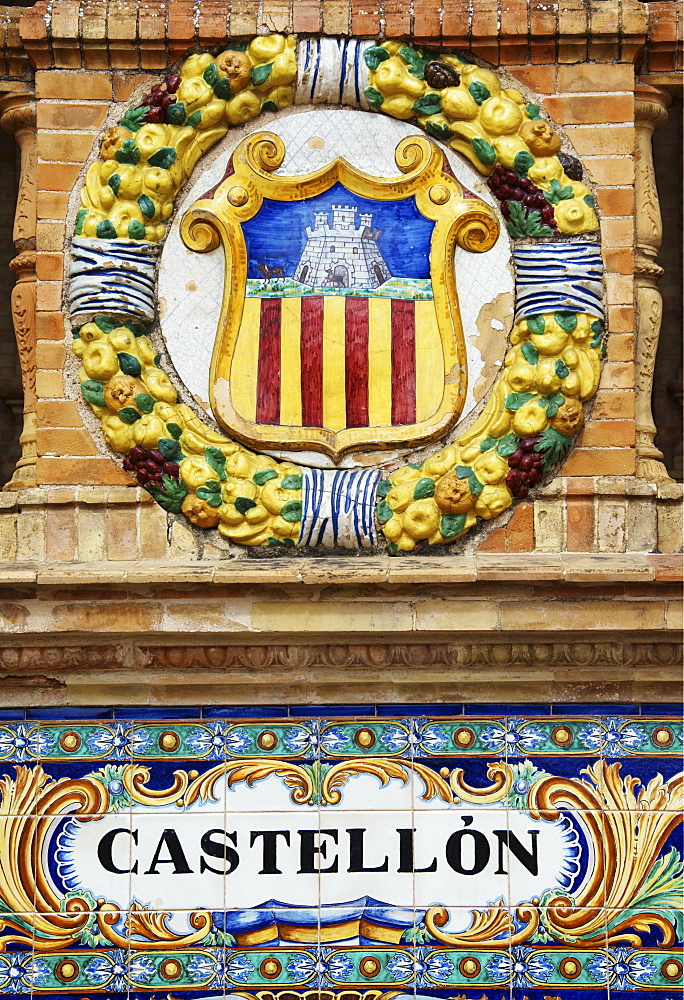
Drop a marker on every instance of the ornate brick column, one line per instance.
(650, 113)
(18, 116)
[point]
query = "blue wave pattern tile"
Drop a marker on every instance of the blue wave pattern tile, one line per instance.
(353, 853)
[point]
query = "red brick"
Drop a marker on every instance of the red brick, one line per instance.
(520, 529)
(365, 17)
(620, 347)
(397, 18)
(494, 542)
(426, 21)
(80, 472)
(66, 84)
(609, 404)
(608, 434)
(542, 79)
(580, 524)
(64, 441)
(600, 462)
(50, 266)
(588, 109)
(50, 326)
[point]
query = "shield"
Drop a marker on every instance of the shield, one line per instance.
(339, 328)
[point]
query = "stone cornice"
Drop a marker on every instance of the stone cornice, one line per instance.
(147, 35)
(578, 568)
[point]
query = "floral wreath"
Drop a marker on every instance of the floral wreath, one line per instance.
(551, 368)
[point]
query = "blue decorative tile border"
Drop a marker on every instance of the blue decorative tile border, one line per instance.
(403, 850)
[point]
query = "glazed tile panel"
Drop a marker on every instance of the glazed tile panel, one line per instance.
(440, 851)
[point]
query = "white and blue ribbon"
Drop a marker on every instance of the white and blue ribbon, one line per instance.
(112, 276)
(338, 507)
(558, 277)
(332, 71)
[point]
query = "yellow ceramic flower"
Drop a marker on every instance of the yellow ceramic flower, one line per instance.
(575, 216)
(199, 512)
(195, 471)
(492, 501)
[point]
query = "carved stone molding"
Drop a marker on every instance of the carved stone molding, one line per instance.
(18, 117)
(284, 657)
(650, 113)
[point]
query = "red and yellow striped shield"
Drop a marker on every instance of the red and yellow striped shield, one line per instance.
(335, 369)
(338, 362)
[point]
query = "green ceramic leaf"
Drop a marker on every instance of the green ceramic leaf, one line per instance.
(222, 89)
(530, 353)
(146, 206)
(174, 487)
(507, 445)
(566, 320)
(478, 92)
(105, 230)
(93, 392)
(292, 511)
(292, 483)
(562, 370)
(128, 364)
(106, 323)
(163, 158)
(554, 446)
(80, 219)
(392, 548)
(134, 118)
(194, 119)
(243, 504)
(129, 415)
(217, 460)
(532, 110)
(280, 541)
(174, 430)
(170, 449)
(416, 62)
(438, 129)
(423, 489)
(144, 402)
(384, 486)
(136, 230)
(175, 113)
(514, 400)
(211, 493)
(270, 106)
(428, 104)
(522, 162)
(476, 486)
(536, 324)
(129, 152)
(384, 512)
(115, 183)
(558, 193)
(137, 329)
(487, 443)
(374, 56)
(263, 476)
(484, 151)
(210, 74)
(374, 97)
(452, 525)
(589, 200)
(260, 74)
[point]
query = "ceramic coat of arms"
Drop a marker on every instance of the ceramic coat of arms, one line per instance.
(383, 321)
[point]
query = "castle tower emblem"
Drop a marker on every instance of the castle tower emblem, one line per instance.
(342, 255)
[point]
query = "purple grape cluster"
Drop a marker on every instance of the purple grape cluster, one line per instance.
(527, 467)
(149, 466)
(508, 186)
(160, 98)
